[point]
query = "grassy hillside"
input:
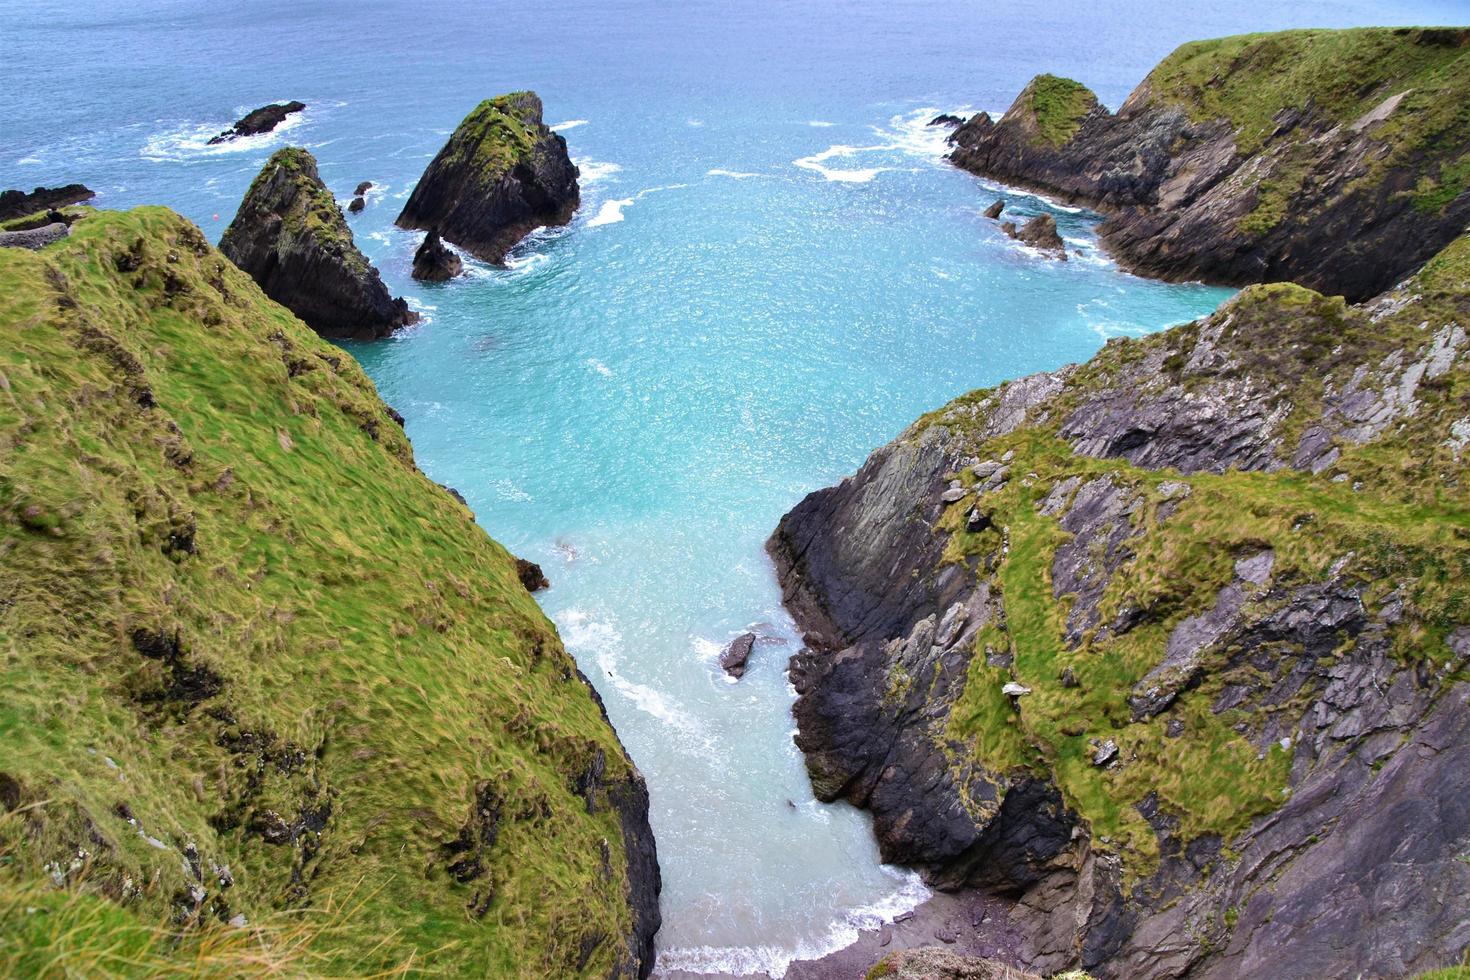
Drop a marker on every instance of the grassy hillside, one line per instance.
(256, 664)
(1391, 513)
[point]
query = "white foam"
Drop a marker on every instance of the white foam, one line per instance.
(737, 174)
(820, 124)
(28, 161)
(594, 170)
(192, 141)
(610, 213)
(817, 161)
(588, 636)
(599, 367)
(506, 490)
(773, 961)
(910, 133)
(696, 123)
(569, 124)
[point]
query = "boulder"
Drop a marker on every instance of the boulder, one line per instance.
(292, 239)
(356, 205)
(434, 261)
(18, 204)
(502, 174)
(531, 575)
(993, 212)
(734, 658)
(1040, 233)
(362, 188)
(258, 121)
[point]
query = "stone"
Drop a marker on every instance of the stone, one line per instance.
(947, 119)
(434, 261)
(531, 576)
(1041, 233)
(362, 188)
(953, 495)
(1014, 690)
(733, 660)
(1107, 751)
(290, 236)
(502, 174)
(356, 205)
(259, 121)
(993, 212)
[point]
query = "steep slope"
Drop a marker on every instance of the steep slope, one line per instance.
(292, 239)
(1172, 646)
(258, 668)
(1339, 160)
(502, 174)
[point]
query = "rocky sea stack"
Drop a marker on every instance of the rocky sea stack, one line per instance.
(1257, 158)
(1171, 647)
(274, 703)
(18, 204)
(292, 239)
(502, 174)
(258, 121)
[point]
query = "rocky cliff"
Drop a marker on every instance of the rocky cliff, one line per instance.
(1172, 647)
(272, 702)
(1339, 160)
(18, 204)
(292, 239)
(502, 174)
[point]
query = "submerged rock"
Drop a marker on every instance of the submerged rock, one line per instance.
(734, 658)
(502, 174)
(259, 121)
(18, 204)
(290, 236)
(434, 261)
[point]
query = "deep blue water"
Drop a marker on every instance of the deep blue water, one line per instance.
(739, 314)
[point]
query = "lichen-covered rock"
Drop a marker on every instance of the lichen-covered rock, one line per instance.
(502, 174)
(1230, 584)
(259, 121)
(1255, 158)
(434, 261)
(19, 204)
(292, 239)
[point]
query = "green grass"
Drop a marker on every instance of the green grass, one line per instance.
(312, 212)
(496, 135)
(1397, 516)
(1059, 105)
(180, 457)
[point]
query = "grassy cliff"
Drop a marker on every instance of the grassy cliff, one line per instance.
(258, 669)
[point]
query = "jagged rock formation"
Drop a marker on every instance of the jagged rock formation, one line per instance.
(1334, 159)
(948, 120)
(435, 262)
(735, 656)
(1171, 646)
(260, 670)
(1040, 233)
(502, 174)
(258, 121)
(290, 236)
(18, 204)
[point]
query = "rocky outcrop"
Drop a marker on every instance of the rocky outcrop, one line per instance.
(1041, 234)
(19, 204)
(735, 656)
(290, 236)
(1253, 159)
(434, 261)
(947, 120)
(502, 174)
(530, 573)
(34, 238)
(258, 121)
(356, 205)
(1155, 647)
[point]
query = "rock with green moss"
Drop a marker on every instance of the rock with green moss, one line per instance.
(292, 238)
(1230, 567)
(272, 702)
(502, 174)
(1336, 159)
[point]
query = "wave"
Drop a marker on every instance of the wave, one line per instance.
(773, 961)
(820, 124)
(192, 141)
(610, 213)
(696, 123)
(736, 174)
(594, 170)
(27, 161)
(588, 636)
(569, 124)
(862, 175)
(599, 367)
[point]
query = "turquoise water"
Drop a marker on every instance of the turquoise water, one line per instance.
(742, 310)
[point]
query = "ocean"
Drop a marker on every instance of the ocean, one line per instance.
(773, 272)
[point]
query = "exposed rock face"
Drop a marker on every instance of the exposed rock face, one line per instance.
(1040, 233)
(937, 963)
(1252, 159)
(290, 236)
(435, 262)
(259, 121)
(18, 204)
(529, 572)
(502, 174)
(1243, 751)
(734, 659)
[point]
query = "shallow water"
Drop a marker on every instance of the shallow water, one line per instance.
(773, 272)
